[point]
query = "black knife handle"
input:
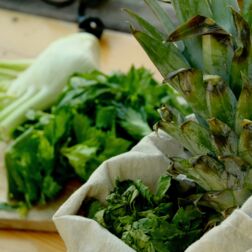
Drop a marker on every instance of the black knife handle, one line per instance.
(93, 25)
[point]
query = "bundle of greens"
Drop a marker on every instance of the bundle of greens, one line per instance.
(166, 220)
(97, 116)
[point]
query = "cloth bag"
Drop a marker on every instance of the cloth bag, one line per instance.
(147, 161)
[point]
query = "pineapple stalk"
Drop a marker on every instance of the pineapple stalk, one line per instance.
(197, 137)
(242, 52)
(192, 87)
(245, 143)
(225, 139)
(244, 105)
(207, 60)
(221, 101)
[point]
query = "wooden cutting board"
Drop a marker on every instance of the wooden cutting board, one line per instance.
(25, 36)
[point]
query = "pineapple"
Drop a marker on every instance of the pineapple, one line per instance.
(206, 58)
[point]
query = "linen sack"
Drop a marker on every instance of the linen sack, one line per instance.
(146, 161)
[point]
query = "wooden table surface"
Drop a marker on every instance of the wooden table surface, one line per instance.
(25, 36)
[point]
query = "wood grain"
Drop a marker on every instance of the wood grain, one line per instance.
(20, 241)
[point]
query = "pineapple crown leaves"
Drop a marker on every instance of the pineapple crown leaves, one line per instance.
(207, 59)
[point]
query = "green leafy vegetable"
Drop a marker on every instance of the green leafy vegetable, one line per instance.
(96, 117)
(147, 221)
